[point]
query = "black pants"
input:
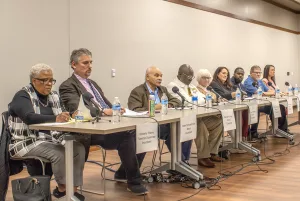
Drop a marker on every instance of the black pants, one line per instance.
(282, 121)
(124, 142)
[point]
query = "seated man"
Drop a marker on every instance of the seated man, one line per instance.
(254, 76)
(138, 101)
(70, 91)
(35, 104)
(209, 129)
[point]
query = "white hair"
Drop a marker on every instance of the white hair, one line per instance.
(203, 73)
(37, 69)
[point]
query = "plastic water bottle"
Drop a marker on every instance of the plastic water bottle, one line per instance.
(208, 99)
(195, 101)
(151, 106)
(259, 93)
(79, 116)
(116, 108)
(277, 92)
(290, 90)
(164, 104)
(296, 90)
(238, 96)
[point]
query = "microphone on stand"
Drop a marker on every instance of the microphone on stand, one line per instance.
(176, 91)
(287, 84)
(255, 84)
(271, 85)
(209, 88)
(95, 111)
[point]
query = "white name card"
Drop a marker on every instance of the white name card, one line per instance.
(276, 109)
(228, 119)
(188, 128)
(290, 105)
(146, 137)
(253, 114)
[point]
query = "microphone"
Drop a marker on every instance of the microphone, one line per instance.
(89, 97)
(211, 89)
(255, 84)
(271, 85)
(176, 91)
(287, 84)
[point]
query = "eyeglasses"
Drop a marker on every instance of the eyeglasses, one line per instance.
(206, 78)
(257, 72)
(189, 77)
(46, 80)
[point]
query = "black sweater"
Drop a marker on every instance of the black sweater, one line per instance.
(21, 107)
(222, 90)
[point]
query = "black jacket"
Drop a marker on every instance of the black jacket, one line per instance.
(7, 167)
(222, 90)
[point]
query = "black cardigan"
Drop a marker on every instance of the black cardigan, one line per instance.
(222, 90)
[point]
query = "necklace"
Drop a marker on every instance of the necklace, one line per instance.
(44, 105)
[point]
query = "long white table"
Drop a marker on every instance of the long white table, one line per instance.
(104, 127)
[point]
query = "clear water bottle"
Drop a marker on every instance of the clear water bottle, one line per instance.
(164, 104)
(195, 101)
(290, 90)
(259, 93)
(296, 90)
(208, 99)
(116, 108)
(79, 116)
(238, 96)
(277, 92)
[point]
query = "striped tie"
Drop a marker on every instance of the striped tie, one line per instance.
(98, 96)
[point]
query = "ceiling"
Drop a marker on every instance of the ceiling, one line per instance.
(291, 5)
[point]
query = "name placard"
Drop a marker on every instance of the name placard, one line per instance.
(290, 105)
(146, 137)
(276, 109)
(228, 119)
(188, 128)
(253, 113)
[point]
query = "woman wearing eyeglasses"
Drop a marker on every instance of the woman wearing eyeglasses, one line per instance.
(34, 104)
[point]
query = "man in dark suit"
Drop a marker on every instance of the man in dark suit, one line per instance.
(138, 101)
(70, 91)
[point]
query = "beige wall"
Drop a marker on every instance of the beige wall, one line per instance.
(255, 9)
(129, 36)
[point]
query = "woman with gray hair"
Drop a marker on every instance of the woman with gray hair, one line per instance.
(34, 104)
(204, 79)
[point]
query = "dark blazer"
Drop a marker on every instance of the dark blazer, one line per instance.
(139, 96)
(222, 90)
(70, 91)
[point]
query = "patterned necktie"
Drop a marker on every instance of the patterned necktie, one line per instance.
(190, 91)
(98, 96)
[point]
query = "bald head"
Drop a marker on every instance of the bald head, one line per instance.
(153, 77)
(185, 74)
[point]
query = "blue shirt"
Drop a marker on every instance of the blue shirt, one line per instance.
(155, 93)
(251, 89)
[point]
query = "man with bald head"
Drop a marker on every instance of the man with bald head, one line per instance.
(209, 129)
(139, 96)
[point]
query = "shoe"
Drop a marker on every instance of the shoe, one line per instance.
(254, 135)
(137, 189)
(278, 136)
(79, 196)
(237, 151)
(216, 158)
(206, 162)
(120, 177)
(187, 162)
(56, 193)
(224, 154)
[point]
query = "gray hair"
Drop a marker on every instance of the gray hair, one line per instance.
(148, 70)
(37, 69)
(78, 53)
(203, 73)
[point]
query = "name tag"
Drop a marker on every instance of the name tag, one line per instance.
(253, 114)
(188, 128)
(290, 105)
(276, 109)
(298, 103)
(146, 137)
(228, 119)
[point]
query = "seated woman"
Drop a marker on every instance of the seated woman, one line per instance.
(222, 85)
(35, 104)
